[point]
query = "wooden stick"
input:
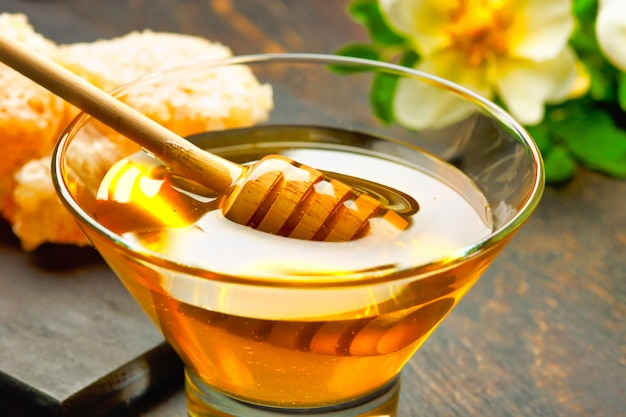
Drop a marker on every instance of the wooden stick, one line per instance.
(179, 154)
(269, 202)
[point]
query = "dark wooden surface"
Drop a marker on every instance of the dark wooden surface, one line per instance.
(543, 333)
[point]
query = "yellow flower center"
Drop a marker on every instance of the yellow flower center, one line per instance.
(479, 29)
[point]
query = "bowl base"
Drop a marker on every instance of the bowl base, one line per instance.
(204, 401)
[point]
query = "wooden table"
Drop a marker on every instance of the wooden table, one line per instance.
(543, 333)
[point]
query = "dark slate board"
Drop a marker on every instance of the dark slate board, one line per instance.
(72, 340)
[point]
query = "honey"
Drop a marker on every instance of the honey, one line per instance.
(284, 322)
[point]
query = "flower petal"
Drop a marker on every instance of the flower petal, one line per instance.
(611, 31)
(422, 21)
(419, 105)
(541, 29)
(526, 86)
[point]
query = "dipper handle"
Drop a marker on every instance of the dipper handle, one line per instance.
(277, 195)
(177, 153)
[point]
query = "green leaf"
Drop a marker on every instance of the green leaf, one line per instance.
(367, 13)
(621, 90)
(381, 95)
(409, 58)
(541, 135)
(585, 9)
(601, 87)
(356, 50)
(592, 137)
(359, 50)
(584, 32)
(559, 165)
(603, 75)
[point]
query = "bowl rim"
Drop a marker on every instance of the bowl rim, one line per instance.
(461, 255)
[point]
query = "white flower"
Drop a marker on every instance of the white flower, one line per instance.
(515, 49)
(611, 31)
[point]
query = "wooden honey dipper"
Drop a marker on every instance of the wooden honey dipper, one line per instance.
(275, 195)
